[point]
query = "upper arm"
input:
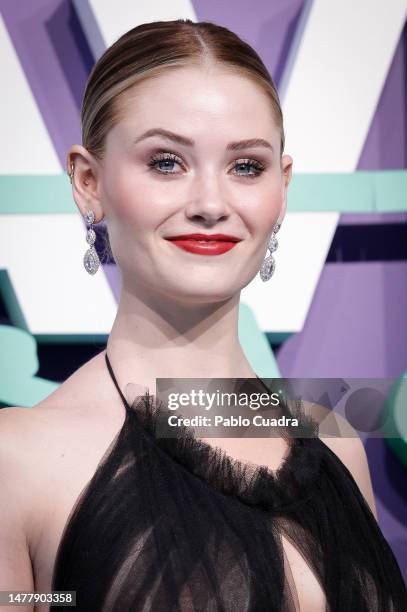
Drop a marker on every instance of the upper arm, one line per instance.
(15, 563)
(351, 452)
(345, 442)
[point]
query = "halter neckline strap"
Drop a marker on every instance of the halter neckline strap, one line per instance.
(116, 384)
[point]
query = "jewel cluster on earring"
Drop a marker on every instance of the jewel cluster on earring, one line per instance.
(268, 265)
(91, 259)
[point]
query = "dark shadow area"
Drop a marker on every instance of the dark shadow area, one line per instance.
(4, 318)
(388, 477)
(58, 361)
(370, 242)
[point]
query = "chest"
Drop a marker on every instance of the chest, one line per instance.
(304, 585)
(45, 538)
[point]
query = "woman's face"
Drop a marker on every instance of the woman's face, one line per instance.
(158, 186)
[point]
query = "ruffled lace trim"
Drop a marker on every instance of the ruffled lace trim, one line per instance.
(253, 484)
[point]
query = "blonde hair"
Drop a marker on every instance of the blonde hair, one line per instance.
(150, 49)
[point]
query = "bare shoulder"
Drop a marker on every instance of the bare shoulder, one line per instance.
(34, 440)
(343, 440)
(17, 426)
(52, 447)
(61, 420)
(16, 488)
(19, 429)
(30, 440)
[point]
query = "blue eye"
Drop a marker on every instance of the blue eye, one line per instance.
(250, 163)
(163, 163)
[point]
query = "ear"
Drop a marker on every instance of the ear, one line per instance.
(286, 173)
(84, 171)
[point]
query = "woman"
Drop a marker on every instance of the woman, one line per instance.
(183, 134)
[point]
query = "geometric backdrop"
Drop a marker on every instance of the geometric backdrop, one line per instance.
(342, 291)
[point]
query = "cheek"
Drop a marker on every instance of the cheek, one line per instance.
(130, 201)
(261, 211)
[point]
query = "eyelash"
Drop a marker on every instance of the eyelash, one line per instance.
(165, 156)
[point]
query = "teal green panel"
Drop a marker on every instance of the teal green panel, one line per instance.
(36, 194)
(354, 192)
(395, 427)
(391, 191)
(358, 192)
(351, 192)
(18, 365)
(97, 340)
(255, 345)
(278, 337)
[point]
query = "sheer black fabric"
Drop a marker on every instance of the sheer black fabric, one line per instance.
(174, 524)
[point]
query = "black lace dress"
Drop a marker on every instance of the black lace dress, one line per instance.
(175, 524)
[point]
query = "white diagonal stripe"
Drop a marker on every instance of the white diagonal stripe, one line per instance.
(43, 257)
(336, 80)
(281, 304)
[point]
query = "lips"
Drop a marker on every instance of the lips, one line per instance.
(204, 244)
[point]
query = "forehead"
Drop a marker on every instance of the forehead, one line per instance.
(195, 101)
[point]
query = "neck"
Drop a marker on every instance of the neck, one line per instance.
(158, 337)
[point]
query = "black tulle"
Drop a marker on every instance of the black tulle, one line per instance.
(174, 524)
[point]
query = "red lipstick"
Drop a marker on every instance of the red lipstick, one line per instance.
(204, 244)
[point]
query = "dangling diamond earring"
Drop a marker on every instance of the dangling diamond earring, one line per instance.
(268, 265)
(91, 259)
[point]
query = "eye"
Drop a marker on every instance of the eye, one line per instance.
(163, 162)
(250, 163)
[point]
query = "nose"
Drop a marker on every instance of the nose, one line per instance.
(208, 205)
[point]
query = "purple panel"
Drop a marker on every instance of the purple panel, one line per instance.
(356, 325)
(386, 144)
(394, 321)
(56, 61)
(68, 40)
(372, 218)
(267, 26)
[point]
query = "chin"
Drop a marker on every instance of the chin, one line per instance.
(213, 284)
(202, 292)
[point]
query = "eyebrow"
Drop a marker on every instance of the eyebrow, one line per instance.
(187, 142)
